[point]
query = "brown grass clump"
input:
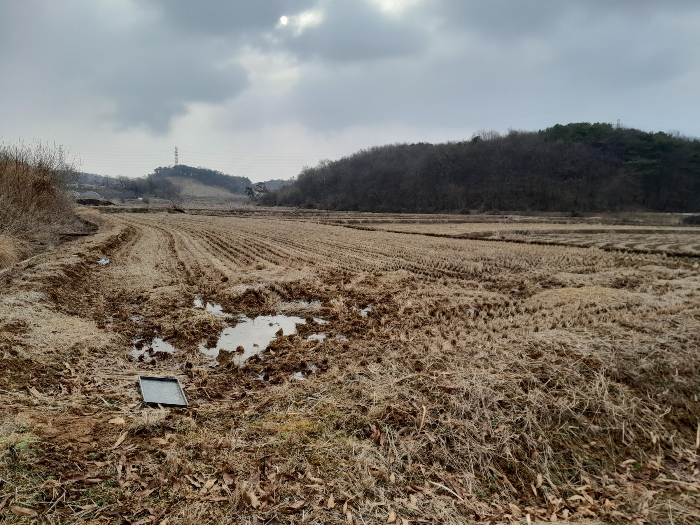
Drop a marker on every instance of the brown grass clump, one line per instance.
(11, 250)
(148, 419)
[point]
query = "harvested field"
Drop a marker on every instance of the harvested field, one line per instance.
(669, 240)
(459, 380)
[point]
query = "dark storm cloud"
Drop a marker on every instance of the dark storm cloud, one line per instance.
(512, 20)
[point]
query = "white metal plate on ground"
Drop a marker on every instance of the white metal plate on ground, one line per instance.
(162, 391)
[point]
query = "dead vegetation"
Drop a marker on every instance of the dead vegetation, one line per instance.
(34, 210)
(489, 381)
(11, 250)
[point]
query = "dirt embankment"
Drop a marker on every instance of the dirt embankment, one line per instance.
(459, 380)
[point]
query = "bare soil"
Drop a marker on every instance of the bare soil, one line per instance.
(492, 380)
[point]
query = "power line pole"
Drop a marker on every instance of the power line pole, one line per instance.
(176, 161)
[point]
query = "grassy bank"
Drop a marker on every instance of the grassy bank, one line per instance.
(34, 209)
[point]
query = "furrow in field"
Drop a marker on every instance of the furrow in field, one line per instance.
(262, 249)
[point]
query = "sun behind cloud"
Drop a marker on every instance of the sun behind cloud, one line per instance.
(301, 22)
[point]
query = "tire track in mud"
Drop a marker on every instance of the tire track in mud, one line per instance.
(189, 258)
(147, 254)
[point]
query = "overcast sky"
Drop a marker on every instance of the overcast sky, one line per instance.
(261, 88)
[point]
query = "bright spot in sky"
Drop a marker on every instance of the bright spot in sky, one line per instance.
(395, 6)
(301, 22)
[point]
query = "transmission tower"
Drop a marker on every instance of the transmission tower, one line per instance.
(176, 162)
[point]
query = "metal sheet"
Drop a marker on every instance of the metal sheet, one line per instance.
(162, 391)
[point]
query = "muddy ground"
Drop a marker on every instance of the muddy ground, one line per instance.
(488, 381)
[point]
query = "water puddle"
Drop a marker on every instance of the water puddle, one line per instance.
(320, 337)
(364, 312)
(142, 350)
(251, 336)
(302, 375)
(248, 337)
(212, 308)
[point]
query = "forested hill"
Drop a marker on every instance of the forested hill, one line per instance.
(205, 176)
(573, 167)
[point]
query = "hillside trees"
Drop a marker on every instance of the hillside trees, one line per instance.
(205, 176)
(573, 167)
(151, 187)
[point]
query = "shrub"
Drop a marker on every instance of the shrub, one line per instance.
(33, 204)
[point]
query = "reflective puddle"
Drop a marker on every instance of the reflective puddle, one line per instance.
(301, 375)
(247, 338)
(320, 337)
(212, 308)
(142, 350)
(251, 336)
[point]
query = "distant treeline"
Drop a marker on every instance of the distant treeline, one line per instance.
(205, 176)
(157, 184)
(565, 168)
(151, 186)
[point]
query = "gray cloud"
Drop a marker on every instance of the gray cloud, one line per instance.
(558, 57)
(353, 31)
(156, 81)
(140, 67)
(230, 18)
(146, 70)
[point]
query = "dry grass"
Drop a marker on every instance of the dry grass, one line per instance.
(489, 381)
(670, 239)
(148, 420)
(33, 206)
(11, 251)
(14, 437)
